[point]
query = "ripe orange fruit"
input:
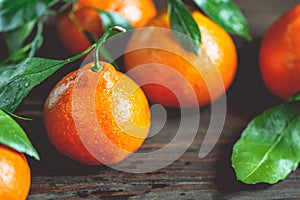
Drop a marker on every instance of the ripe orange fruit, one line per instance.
(71, 35)
(14, 174)
(137, 12)
(97, 117)
(217, 44)
(280, 55)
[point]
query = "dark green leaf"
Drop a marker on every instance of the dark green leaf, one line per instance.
(16, 13)
(28, 50)
(23, 78)
(227, 15)
(38, 40)
(18, 55)
(15, 39)
(13, 136)
(5, 73)
(182, 22)
(269, 147)
(110, 19)
(26, 75)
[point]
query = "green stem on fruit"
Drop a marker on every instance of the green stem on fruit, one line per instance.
(90, 36)
(115, 29)
(81, 54)
(97, 66)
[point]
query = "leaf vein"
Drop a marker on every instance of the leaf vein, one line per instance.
(278, 140)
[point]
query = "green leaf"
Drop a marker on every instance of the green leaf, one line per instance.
(5, 73)
(296, 97)
(269, 147)
(38, 40)
(182, 22)
(18, 55)
(23, 78)
(28, 50)
(17, 82)
(16, 13)
(3, 68)
(13, 136)
(226, 14)
(15, 39)
(110, 19)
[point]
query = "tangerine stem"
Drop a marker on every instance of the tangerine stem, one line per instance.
(80, 55)
(97, 67)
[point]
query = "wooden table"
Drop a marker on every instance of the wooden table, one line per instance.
(189, 177)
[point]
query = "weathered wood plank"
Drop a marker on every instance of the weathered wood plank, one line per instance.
(187, 178)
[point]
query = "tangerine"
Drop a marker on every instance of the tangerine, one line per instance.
(97, 117)
(216, 43)
(14, 176)
(71, 23)
(279, 55)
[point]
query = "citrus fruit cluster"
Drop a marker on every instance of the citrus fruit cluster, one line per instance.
(99, 115)
(60, 112)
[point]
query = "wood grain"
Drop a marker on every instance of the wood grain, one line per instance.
(187, 178)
